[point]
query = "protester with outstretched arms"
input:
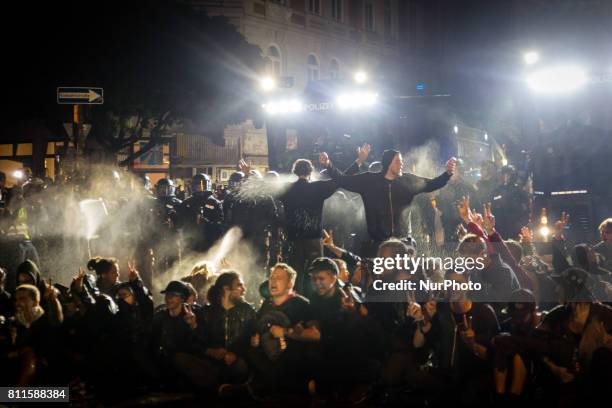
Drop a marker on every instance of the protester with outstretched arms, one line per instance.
(387, 193)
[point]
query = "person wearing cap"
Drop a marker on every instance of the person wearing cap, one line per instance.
(178, 340)
(386, 194)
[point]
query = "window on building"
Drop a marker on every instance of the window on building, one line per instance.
(314, 6)
(6, 149)
(273, 61)
(281, 2)
(313, 68)
(369, 16)
(24, 149)
(388, 21)
(334, 69)
(337, 11)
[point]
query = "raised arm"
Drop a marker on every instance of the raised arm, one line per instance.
(426, 185)
(354, 183)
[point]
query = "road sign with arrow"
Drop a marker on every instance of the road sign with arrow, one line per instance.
(80, 96)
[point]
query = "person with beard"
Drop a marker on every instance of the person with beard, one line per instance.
(201, 215)
(107, 271)
(281, 348)
(386, 194)
(604, 248)
(229, 323)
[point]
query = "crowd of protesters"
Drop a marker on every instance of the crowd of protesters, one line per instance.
(540, 331)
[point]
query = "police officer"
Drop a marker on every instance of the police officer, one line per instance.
(256, 214)
(511, 201)
(201, 215)
(167, 248)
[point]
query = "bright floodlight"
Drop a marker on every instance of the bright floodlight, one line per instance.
(486, 137)
(557, 79)
(361, 77)
(267, 84)
(456, 129)
(295, 106)
(544, 231)
(18, 174)
(283, 106)
(356, 100)
(531, 57)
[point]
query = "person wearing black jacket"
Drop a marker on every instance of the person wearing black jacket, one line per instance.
(303, 203)
(134, 321)
(178, 340)
(386, 194)
(229, 324)
(200, 216)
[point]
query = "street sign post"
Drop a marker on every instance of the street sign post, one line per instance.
(76, 96)
(80, 96)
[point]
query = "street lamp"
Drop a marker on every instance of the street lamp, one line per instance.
(531, 57)
(561, 79)
(267, 84)
(356, 100)
(456, 129)
(360, 77)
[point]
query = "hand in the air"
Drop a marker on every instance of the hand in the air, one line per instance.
(324, 160)
(451, 166)
(362, 153)
(488, 221)
(132, 272)
(464, 210)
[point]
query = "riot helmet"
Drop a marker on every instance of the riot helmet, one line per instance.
(200, 183)
(165, 188)
(272, 176)
(235, 179)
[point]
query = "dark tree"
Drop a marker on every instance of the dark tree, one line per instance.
(163, 66)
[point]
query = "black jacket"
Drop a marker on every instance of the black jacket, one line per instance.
(385, 200)
(303, 202)
(230, 329)
(171, 335)
(201, 219)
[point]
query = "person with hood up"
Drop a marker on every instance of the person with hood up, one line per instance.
(386, 194)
